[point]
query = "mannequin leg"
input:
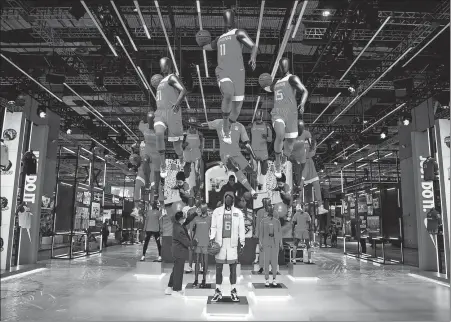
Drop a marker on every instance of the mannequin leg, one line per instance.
(236, 109)
(227, 90)
(267, 260)
(279, 128)
(233, 276)
(204, 273)
(156, 235)
(196, 268)
(161, 146)
(288, 147)
(146, 242)
(274, 260)
(219, 268)
(318, 196)
(178, 149)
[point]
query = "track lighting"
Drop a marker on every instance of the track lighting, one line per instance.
(383, 133)
(406, 120)
(41, 112)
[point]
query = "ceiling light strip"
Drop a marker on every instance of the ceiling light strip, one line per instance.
(331, 102)
(123, 24)
(285, 40)
(145, 80)
(124, 149)
(259, 28)
(131, 132)
(31, 78)
(98, 27)
(326, 138)
(364, 147)
(427, 44)
(383, 118)
(204, 53)
(113, 153)
(304, 6)
(138, 9)
(343, 152)
(91, 108)
(202, 92)
(255, 109)
(371, 86)
(169, 44)
(364, 48)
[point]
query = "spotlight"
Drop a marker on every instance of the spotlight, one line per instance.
(365, 121)
(336, 163)
(406, 122)
(41, 112)
(322, 170)
(69, 131)
(383, 135)
(351, 89)
(326, 13)
(337, 142)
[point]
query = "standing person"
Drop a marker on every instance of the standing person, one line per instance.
(185, 191)
(229, 186)
(270, 241)
(334, 235)
(301, 231)
(227, 229)
(105, 234)
(169, 96)
(152, 228)
(261, 214)
(284, 189)
(200, 233)
(230, 72)
(181, 243)
(188, 210)
(192, 154)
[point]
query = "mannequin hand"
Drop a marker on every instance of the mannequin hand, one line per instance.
(260, 246)
(301, 108)
(252, 62)
(184, 145)
(175, 108)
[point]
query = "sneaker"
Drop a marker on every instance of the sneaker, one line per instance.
(234, 296)
(322, 210)
(293, 261)
(168, 291)
(143, 258)
(255, 261)
(189, 270)
(196, 283)
(267, 283)
(203, 284)
(260, 271)
(217, 297)
(163, 172)
(178, 294)
(226, 138)
(159, 259)
(274, 283)
(277, 170)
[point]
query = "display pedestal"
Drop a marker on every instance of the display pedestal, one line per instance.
(227, 307)
(261, 290)
(149, 268)
(197, 291)
(303, 270)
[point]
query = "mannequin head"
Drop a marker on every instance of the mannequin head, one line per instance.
(266, 203)
(301, 127)
(165, 65)
(204, 209)
(191, 201)
(229, 18)
(270, 210)
(192, 120)
(259, 116)
(150, 119)
(284, 65)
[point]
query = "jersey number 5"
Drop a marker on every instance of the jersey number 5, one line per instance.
(279, 95)
(222, 50)
(158, 97)
(228, 225)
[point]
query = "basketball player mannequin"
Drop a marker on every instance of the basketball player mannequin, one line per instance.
(285, 112)
(299, 155)
(168, 115)
(261, 136)
(230, 70)
(192, 153)
(200, 231)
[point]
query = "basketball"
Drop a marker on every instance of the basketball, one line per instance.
(280, 210)
(203, 38)
(213, 248)
(155, 80)
(265, 80)
(134, 159)
(247, 196)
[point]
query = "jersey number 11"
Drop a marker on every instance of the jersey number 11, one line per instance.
(222, 50)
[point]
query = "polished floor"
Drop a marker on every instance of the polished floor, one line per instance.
(104, 288)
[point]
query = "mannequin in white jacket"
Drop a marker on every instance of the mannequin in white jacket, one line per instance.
(227, 229)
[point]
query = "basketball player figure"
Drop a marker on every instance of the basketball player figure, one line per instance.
(310, 176)
(286, 112)
(230, 70)
(261, 136)
(192, 153)
(200, 232)
(298, 156)
(231, 155)
(168, 116)
(261, 214)
(227, 229)
(141, 161)
(301, 231)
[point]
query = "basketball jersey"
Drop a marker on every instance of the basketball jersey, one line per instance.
(270, 233)
(230, 53)
(193, 141)
(284, 94)
(166, 95)
(202, 234)
(153, 220)
(237, 133)
(25, 218)
(302, 220)
(227, 224)
(299, 153)
(258, 130)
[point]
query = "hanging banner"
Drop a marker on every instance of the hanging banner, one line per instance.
(12, 137)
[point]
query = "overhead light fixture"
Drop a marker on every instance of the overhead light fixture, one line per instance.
(132, 135)
(383, 118)
(298, 23)
(343, 152)
(123, 25)
(387, 155)
(383, 133)
(336, 163)
(98, 27)
(337, 142)
(255, 109)
(364, 48)
(362, 165)
(326, 138)
(141, 18)
(357, 151)
(326, 13)
(372, 85)
(31, 78)
(199, 16)
(143, 77)
(331, 102)
(406, 120)
(113, 153)
(427, 44)
(202, 92)
(41, 111)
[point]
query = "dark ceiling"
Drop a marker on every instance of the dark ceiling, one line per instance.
(60, 37)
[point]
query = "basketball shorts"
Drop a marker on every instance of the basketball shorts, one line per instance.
(289, 118)
(140, 183)
(234, 75)
(301, 235)
(201, 250)
(309, 174)
(261, 154)
(227, 254)
(191, 155)
(172, 122)
(239, 161)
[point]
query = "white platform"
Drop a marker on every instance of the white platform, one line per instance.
(302, 270)
(260, 289)
(149, 268)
